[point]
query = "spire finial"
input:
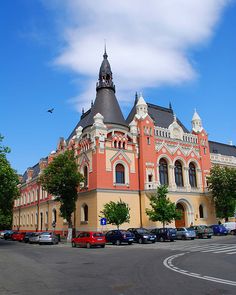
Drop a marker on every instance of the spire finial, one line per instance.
(105, 50)
(170, 106)
(82, 111)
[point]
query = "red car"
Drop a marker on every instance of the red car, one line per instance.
(18, 236)
(89, 239)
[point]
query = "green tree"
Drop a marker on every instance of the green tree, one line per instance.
(61, 179)
(116, 213)
(222, 185)
(8, 187)
(163, 209)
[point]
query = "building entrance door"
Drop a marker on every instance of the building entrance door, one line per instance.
(180, 222)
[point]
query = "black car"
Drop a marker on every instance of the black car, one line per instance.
(142, 235)
(117, 237)
(27, 236)
(8, 234)
(164, 234)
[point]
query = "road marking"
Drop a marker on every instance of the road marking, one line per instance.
(213, 248)
(168, 263)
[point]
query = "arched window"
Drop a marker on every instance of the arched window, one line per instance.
(85, 176)
(201, 213)
(163, 172)
(84, 213)
(41, 220)
(119, 144)
(54, 215)
(120, 173)
(178, 174)
(115, 144)
(192, 175)
(123, 145)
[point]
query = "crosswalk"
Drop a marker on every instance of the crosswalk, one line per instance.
(229, 249)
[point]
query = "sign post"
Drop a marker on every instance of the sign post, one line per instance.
(103, 221)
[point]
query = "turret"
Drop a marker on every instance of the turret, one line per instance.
(196, 122)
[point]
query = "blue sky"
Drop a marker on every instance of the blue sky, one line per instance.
(51, 52)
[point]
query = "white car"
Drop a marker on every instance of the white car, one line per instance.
(230, 226)
(48, 238)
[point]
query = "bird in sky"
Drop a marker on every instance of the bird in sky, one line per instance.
(51, 110)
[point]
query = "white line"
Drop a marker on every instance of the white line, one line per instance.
(231, 253)
(195, 275)
(227, 249)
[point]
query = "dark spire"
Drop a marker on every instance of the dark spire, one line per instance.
(136, 98)
(106, 102)
(170, 106)
(105, 74)
(82, 111)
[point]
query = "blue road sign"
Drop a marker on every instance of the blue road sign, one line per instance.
(103, 221)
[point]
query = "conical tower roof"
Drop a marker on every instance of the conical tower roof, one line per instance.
(105, 102)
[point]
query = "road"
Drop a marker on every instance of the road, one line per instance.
(201, 267)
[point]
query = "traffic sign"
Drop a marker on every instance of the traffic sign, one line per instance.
(103, 221)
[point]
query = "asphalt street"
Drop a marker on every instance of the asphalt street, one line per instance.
(200, 267)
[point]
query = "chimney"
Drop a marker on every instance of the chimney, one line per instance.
(42, 164)
(30, 172)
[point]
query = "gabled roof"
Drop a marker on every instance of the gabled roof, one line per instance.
(222, 148)
(161, 116)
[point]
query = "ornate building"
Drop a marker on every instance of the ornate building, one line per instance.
(127, 159)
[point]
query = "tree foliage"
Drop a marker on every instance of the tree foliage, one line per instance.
(222, 184)
(8, 183)
(163, 209)
(116, 213)
(61, 179)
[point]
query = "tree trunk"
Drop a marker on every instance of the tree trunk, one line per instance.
(226, 219)
(69, 235)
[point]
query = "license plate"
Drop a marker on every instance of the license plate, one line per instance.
(151, 238)
(99, 239)
(130, 239)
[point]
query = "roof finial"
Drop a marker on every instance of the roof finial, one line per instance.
(82, 111)
(170, 106)
(105, 50)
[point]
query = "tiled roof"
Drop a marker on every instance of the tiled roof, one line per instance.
(222, 148)
(162, 117)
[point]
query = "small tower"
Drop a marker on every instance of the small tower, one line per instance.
(196, 122)
(141, 107)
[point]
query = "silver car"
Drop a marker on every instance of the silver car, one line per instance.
(184, 233)
(34, 238)
(48, 238)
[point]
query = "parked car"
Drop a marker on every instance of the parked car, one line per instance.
(48, 238)
(230, 226)
(142, 235)
(34, 238)
(119, 236)
(8, 234)
(3, 232)
(18, 236)
(27, 236)
(89, 239)
(202, 231)
(233, 232)
(164, 234)
(219, 229)
(184, 233)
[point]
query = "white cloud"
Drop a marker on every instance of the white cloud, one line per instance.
(148, 42)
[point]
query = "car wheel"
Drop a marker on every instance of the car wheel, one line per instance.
(209, 237)
(102, 246)
(232, 232)
(88, 246)
(129, 243)
(140, 241)
(73, 244)
(183, 237)
(161, 239)
(118, 242)
(192, 238)
(153, 241)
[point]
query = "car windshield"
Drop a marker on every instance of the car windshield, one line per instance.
(189, 228)
(142, 231)
(98, 235)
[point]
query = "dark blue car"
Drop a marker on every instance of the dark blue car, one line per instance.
(117, 237)
(219, 229)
